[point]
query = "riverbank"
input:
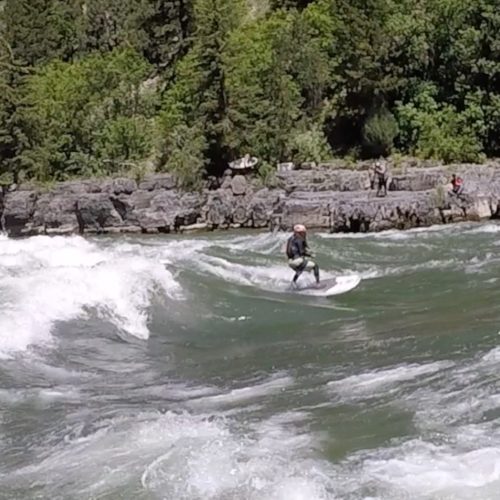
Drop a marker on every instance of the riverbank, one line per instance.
(322, 197)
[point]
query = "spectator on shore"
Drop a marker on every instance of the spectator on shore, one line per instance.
(379, 177)
(457, 185)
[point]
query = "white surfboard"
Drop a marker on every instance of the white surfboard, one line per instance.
(329, 287)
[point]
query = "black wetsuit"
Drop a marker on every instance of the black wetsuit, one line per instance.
(297, 248)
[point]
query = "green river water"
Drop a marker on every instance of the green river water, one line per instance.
(178, 368)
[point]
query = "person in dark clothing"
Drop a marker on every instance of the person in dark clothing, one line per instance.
(298, 253)
(380, 175)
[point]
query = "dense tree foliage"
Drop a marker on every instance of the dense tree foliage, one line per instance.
(103, 86)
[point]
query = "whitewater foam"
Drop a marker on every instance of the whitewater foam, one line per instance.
(183, 456)
(425, 470)
(244, 394)
(370, 384)
(47, 280)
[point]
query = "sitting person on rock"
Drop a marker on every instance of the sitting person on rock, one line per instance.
(457, 185)
(298, 253)
(380, 175)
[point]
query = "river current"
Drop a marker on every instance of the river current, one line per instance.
(177, 368)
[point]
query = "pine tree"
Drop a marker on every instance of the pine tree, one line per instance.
(165, 27)
(108, 24)
(8, 106)
(198, 99)
(38, 31)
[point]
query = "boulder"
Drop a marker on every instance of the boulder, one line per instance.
(77, 187)
(119, 186)
(56, 214)
(239, 185)
(18, 210)
(323, 180)
(218, 210)
(96, 213)
(153, 211)
(263, 206)
(159, 181)
(285, 167)
(161, 211)
(320, 197)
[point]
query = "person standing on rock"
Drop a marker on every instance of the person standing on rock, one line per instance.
(298, 253)
(380, 175)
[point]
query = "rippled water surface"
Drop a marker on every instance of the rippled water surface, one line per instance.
(178, 368)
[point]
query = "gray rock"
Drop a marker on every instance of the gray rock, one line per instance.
(119, 186)
(323, 180)
(263, 206)
(77, 187)
(153, 211)
(189, 209)
(336, 200)
(285, 167)
(56, 214)
(218, 209)
(419, 180)
(96, 213)
(159, 181)
(227, 183)
(161, 211)
(18, 210)
(239, 185)
(308, 165)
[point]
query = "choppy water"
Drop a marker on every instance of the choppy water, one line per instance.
(174, 368)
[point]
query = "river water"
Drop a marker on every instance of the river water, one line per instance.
(176, 368)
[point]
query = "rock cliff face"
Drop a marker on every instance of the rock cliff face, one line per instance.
(323, 197)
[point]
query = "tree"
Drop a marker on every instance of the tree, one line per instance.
(379, 132)
(437, 130)
(165, 27)
(38, 31)
(9, 131)
(88, 117)
(198, 98)
(108, 24)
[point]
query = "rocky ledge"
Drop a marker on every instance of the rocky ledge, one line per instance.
(323, 197)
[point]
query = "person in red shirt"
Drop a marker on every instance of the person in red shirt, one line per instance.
(457, 185)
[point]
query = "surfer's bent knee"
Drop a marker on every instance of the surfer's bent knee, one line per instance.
(296, 264)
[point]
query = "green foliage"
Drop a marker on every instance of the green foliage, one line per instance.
(284, 80)
(198, 97)
(309, 145)
(267, 174)
(106, 25)
(379, 132)
(38, 31)
(439, 131)
(88, 117)
(276, 72)
(163, 30)
(185, 158)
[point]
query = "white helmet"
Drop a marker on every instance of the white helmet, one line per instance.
(299, 228)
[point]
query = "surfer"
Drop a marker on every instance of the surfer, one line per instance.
(298, 253)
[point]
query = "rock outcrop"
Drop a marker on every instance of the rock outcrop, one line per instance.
(323, 197)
